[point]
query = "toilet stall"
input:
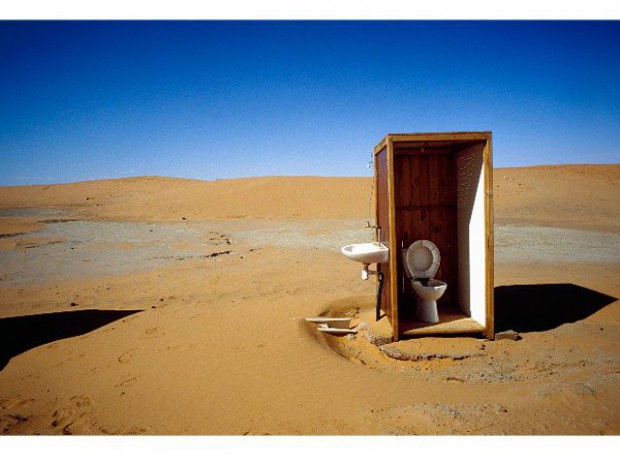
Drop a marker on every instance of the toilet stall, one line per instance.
(437, 187)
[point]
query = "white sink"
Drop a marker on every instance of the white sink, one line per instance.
(368, 252)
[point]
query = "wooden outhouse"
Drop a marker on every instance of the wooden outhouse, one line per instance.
(437, 187)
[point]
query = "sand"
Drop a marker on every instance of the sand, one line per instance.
(167, 306)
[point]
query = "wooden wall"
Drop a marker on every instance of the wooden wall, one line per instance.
(381, 179)
(425, 191)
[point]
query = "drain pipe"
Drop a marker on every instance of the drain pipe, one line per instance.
(379, 290)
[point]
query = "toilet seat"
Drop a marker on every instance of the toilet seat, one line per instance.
(423, 259)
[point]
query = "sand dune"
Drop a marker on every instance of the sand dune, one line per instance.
(577, 195)
(582, 196)
(170, 199)
(133, 320)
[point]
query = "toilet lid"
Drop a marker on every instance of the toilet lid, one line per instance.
(423, 259)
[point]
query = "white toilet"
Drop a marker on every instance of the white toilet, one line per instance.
(422, 262)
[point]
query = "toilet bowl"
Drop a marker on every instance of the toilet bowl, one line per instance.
(422, 262)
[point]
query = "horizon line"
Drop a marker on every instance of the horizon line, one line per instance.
(51, 182)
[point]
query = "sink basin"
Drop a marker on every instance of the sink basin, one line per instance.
(368, 252)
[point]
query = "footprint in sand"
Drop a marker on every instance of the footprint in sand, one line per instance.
(128, 382)
(135, 431)
(82, 401)
(127, 356)
(13, 402)
(10, 421)
(74, 419)
(153, 333)
(132, 431)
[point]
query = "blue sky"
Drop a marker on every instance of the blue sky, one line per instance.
(197, 99)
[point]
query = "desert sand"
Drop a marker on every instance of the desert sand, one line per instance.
(162, 306)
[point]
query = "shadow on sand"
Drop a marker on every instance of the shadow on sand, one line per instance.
(19, 334)
(541, 307)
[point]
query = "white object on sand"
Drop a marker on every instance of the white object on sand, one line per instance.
(326, 329)
(341, 323)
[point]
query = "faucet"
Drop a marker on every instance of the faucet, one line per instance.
(375, 226)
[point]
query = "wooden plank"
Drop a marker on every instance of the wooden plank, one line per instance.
(424, 230)
(437, 235)
(490, 262)
(435, 147)
(430, 138)
(425, 207)
(393, 288)
(405, 227)
(442, 233)
(416, 226)
(424, 180)
(382, 220)
(441, 181)
(440, 228)
(415, 184)
(411, 224)
(376, 191)
(399, 180)
(403, 218)
(434, 179)
(447, 275)
(465, 325)
(412, 151)
(400, 225)
(437, 228)
(405, 175)
(440, 136)
(451, 145)
(381, 145)
(452, 246)
(450, 186)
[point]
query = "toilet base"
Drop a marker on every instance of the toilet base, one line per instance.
(427, 311)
